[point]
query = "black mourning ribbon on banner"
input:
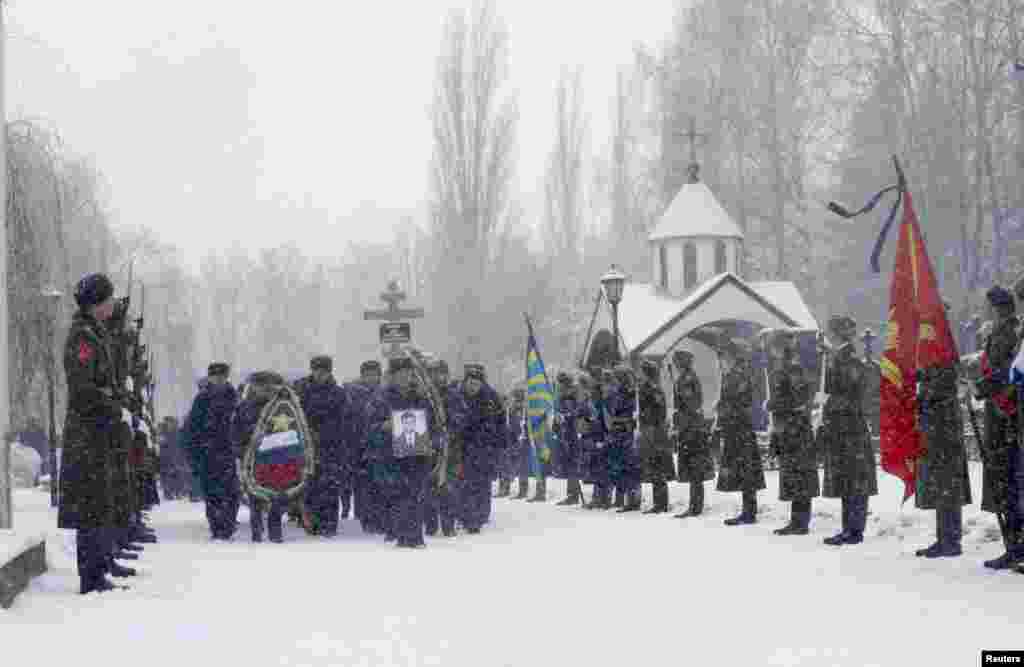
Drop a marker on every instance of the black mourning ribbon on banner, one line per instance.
(876, 252)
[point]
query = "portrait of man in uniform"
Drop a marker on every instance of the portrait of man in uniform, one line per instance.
(409, 433)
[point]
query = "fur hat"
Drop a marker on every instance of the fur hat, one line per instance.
(218, 368)
(999, 296)
(396, 364)
(370, 366)
(321, 362)
(93, 289)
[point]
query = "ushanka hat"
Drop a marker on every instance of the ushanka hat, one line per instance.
(321, 362)
(218, 368)
(396, 364)
(93, 290)
(475, 372)
(369, 366)
(841, 324)
(682, 357)
(999, 296)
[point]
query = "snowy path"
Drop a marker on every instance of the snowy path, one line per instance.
(543, 585)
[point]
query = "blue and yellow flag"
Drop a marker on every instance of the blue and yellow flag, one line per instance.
(540, 401)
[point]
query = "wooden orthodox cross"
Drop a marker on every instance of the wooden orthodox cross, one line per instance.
(396, 330)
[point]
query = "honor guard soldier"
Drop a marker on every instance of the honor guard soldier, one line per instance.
(590, 424)
(693, 447)
(850, 469)
(655, 447)
(792, 436)
(1001, 451)
(516, 460)
(86, 496)
(569, 450)
(942, 481)
(623, 442)
(741, 468)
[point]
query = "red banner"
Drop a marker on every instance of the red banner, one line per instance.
(918, 336)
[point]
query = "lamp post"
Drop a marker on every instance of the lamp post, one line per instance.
(613, 283)
(52, 297)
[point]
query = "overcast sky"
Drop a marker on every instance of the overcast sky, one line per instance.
(216, 120)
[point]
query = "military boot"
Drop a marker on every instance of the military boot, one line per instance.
(116, 570)
(748, 515)
(524, 489)
(696, 501)
(574, 493)
(633, 502)
(620, 498)
(660, 492)
(504, 488)
(542, 491)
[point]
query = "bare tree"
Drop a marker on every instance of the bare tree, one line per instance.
(564, 196)
(474, 121)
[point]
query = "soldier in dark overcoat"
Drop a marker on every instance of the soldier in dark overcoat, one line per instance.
(942, 481)
(483, 441)
(1000, 449)
(173, 468)
(741, 468)
(517, 457)
(368, 504)
(624, 468)
(567, 405)
(223, 490)
(693, 447)
(590, 424)
(260, 388)
(792, 437)
(442, 503)
(507, 464)
(328, 414)
(655, 446)
(403, 474)
(844, 442)
(125, 469)
(93, 411)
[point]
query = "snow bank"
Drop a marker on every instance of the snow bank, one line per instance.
(542, 585)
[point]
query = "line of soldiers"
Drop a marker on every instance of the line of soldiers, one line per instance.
(360, 466)
(613, 433)
(110, 461)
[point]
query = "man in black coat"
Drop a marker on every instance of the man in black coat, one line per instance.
(93, 412)
(483, 440)
(327, 410)
(367, 501)
(1000, 451)
(261, 388)
(223, 495)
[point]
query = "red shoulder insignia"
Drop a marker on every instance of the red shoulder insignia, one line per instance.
(85, 352)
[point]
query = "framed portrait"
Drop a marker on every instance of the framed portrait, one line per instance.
(409, 433)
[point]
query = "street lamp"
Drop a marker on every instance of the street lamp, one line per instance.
(613, 283)
(53, 297)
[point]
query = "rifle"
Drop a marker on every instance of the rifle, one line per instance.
(972, 418)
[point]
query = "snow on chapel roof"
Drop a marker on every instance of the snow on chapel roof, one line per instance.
(695, 212)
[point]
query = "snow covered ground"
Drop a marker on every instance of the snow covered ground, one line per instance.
(542, 585)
